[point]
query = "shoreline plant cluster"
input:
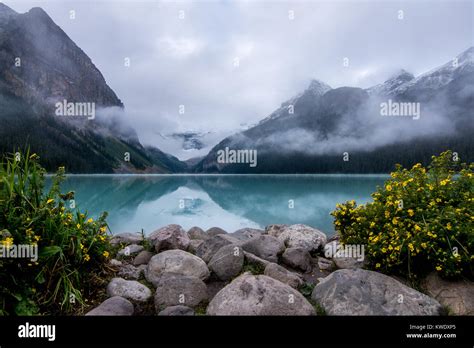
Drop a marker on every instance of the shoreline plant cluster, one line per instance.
(421, 221)
(72, 247)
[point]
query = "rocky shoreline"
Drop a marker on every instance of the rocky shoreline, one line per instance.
(281, 270)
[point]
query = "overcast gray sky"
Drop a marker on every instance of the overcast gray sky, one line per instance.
(191, 61)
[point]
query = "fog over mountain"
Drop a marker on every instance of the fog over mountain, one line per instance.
(406, 118)
(192, 61)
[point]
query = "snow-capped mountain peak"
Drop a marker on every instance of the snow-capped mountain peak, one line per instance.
(440, 76)
(396, 80)
(317, 87)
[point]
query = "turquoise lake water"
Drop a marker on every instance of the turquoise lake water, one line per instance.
(147, 202)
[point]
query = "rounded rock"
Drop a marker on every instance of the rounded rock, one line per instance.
(176, 261)
(259, 295)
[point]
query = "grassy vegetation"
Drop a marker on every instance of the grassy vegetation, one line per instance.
(421, 221)
(72, 248)
(253, 268)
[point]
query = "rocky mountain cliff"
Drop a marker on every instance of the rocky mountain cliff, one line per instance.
(311, 132)
(41, 66)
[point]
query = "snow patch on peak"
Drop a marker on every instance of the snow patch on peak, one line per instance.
(317, 87)
(399, 78)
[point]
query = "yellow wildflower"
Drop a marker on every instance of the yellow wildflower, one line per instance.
(106, 254)
(49, 201)
(411, 212)
(87, 257)
(444, 182)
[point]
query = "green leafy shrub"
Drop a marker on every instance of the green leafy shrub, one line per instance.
(72, 248)
(422, 220)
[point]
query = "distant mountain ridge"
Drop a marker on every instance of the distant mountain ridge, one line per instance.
(40, 66)
(324, 123)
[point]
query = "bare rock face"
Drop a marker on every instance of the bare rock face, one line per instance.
(176, 289)
(265, 247)
(362, 292)
(57, 68)
(169, 237)
(259, 295)
(458, 296)
(227, 262)
(176, 261)
(113, 306)
(283, 275)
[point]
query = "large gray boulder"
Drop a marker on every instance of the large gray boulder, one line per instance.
(210, 246)
(283, 275)
(176, 311)
(227, 262)
(194, 245)
(113, 306)
(142, 258)
(302, 236)
(169, 237)
(362, 292)
(326, 264)
(126, 238)
(297, 258)
(247, 233)
(129, 289)
(348, 262)
(197, 233)
(259, 295)
(131, 272)
(255, 260)
(458, 295)
(176, 261)
(275, 230)
(215, 231)
(265, 247)
(176, 289)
